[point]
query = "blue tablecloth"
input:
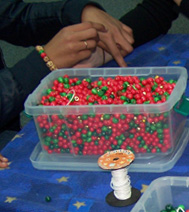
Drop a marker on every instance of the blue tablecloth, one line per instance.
(24, 188)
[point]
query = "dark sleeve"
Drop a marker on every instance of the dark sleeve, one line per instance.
(29, 24)
(184, 7)
(17, 83)
(150, 19)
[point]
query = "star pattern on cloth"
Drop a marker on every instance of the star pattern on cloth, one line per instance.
(10, 199)
(17, 136)
(1, 169)
(161, 48)
(63, 179)
(144, 187)
(177, 62)
(79, 204)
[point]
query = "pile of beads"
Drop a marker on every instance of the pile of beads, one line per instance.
(95, 134)
(171, 208)
(98, 133)
(118, 90)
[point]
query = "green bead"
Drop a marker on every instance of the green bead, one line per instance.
(181, 206)
(49, 91)
(106, 116)
(104, 128)
(139, 138)
(166, 93)
(94, 91)
(104, 97)
(83, 136)
(51, 99)
(147, 129)
(147, 102)
(119, 142)
(104, 88)
(148, 150)
(66, 80)
(88, 80)
(132, 123)
(131, 136)
(69, 96)
(165, 126)
(153, 127)
(48, 139)
(89, 140)
(160, 131)
(99, 83)
(100, 93)
(154, 87)
(166, 114)
(41, 51)
(55, 141)
(169, 207)
(84, 117)
(89, 133)
(88, 96)
(133, 101)
(106, 137)
(51, 146)
(113, 146)
(122, 116)
(66, 86)
(62, 151)
(63, 94)
(96, 142)
(73, 141)
(115, 121)
(160, 136)
(78, 82)
(171, 81)
(159, 125)
(129, 147)
(125, 85)
(47, 143)
(60, 79)
(123, 98)
(48, 199)
(156, 99)
(112, 96)
(142, 142)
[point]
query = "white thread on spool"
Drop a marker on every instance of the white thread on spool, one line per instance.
(120, 183)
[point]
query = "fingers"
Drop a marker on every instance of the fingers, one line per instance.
(3, 162)
(86, 34)
(113, 48)
(122, 41)
(87, 25)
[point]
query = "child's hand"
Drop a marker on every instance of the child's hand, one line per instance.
(3, 162)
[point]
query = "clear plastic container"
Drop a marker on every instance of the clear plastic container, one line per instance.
(86, 130)
(164, 191)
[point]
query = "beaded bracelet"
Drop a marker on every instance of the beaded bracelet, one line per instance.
(45, 58)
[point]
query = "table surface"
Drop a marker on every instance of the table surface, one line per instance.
(24, 188)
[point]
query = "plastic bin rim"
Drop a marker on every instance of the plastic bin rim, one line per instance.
(146, 108)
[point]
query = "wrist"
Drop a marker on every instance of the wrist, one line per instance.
(46, 59)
